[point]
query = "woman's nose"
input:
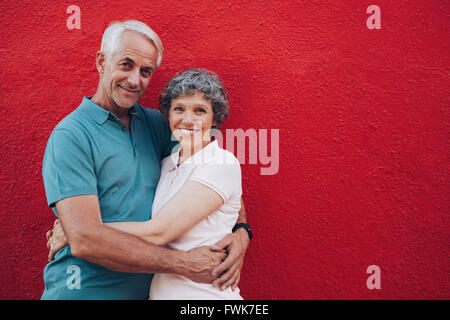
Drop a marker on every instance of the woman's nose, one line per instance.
(188, 118)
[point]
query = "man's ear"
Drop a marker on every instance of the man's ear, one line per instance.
(100, 61)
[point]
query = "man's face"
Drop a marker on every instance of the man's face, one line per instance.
(127, 72)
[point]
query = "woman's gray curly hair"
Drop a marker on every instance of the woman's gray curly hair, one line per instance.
(191, 81)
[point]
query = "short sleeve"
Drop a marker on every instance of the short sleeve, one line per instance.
(223, 178)
(68, 167)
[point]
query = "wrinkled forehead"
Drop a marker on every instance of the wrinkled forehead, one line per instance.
(137, 47)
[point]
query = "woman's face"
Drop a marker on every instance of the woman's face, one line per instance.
(191, 118)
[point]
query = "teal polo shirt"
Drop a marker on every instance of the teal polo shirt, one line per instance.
(92, 152)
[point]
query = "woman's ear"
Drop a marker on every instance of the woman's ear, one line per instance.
(215, 130)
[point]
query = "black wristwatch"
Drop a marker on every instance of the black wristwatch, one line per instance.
(246, 227)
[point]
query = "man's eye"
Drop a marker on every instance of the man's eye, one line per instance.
(201, 110)
(126, 64)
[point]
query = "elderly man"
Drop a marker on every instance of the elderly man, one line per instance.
(102, 164)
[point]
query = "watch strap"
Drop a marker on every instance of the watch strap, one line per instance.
(246, 227)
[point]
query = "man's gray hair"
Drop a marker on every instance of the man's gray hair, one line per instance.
(191, 81)
(111, 37)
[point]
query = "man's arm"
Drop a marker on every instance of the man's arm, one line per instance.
(93, 241)
(178, 215)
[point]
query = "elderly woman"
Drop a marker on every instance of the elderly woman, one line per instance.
(198, 196)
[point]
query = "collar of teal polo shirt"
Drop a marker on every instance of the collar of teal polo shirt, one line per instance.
(99, 114)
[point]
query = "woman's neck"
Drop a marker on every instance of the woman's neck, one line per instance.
(185, 153)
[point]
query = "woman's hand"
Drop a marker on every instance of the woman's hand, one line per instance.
(56, 239)
(229, 271)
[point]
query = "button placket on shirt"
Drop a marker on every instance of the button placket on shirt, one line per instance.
(124, 129)
(132, 124)
(177, 170)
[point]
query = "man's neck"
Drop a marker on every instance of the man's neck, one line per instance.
(108, 104)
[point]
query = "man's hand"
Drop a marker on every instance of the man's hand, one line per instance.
(229, 271)
(56, 239)
(200, 263)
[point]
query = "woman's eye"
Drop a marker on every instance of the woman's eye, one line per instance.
(201, 110)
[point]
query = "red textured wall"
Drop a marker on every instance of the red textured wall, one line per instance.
(364, 133)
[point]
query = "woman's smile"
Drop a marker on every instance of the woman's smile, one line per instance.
(188, 131)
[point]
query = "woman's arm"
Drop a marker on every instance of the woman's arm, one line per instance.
(190, 205)
(91, 240)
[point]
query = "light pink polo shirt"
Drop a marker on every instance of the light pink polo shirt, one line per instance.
(219, 170)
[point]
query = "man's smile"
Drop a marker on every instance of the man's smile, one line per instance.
(128, 89)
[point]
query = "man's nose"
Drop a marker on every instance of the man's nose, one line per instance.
(133, 78)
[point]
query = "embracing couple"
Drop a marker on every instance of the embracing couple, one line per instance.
(139, 192)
